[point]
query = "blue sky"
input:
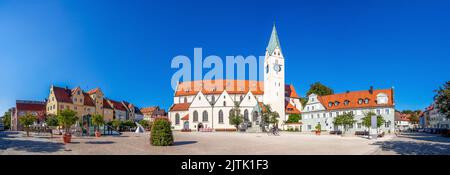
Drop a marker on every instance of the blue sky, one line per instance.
(126, 47)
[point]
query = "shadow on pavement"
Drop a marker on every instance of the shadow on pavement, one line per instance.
(417, 144)
(100, 142)
(8, 141)
(183, 143)
(426, 137)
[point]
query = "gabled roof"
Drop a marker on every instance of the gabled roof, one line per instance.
(62, 94)
(290, 91)
(149, 109)
(354, 97)
(274, 42)
(180, 107)
(93, 91)
(291, 109)
(106, 104)
(118, 105)
(88, 100)
(137, 110)
(186, 117)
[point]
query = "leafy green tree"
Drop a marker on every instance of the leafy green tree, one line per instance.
(344, 120)
(269, 116)
(52, 122)
(161, 134)
(367, 120)
(66, 119)
(442, 99)
(236, 117)
(26, 121)
(318, 127)
(145, 124)
(116, 124)
(97, 121)
(319, 89)
(294, 118)
(7, 120)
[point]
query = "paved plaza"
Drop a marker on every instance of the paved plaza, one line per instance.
(224, 143)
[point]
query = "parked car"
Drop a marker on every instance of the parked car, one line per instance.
(421, 130)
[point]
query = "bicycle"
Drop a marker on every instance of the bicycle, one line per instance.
(273, 131)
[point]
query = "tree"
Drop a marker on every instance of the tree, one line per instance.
(52, 122)
(161, 134)
(7, 120)
(236, 117)
(116, 124)
(367, 120)
(414, 118)
(269, 116)
(67, 118)
(318, 127)
(26, 121)
(344, 120)
(97, 121)
(145, 124)
(294, 118)
(319, 89)
(442, 99)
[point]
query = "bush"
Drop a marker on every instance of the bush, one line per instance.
(161, 134)
(145, 124)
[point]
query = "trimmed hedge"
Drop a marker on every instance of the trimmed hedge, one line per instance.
(161, 133)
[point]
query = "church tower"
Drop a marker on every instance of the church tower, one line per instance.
(274, 89)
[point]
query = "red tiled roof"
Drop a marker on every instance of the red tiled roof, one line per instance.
(30, 107)
(118, 105)
(88, 100)
(401, 117)
(149, 109)
(209, 87)
(353, 98)
(93, 91)
(180, 107)
(290, 91)
(62, 94)
(291, 109)
(186, 117)
(106, 104)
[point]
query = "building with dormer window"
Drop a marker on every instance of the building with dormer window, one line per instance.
(323, 109)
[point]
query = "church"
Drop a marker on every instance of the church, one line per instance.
(205, 105)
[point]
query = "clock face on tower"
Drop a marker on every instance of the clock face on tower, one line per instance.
(277, 67)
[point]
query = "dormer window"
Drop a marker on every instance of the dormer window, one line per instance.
(336, 103)
(360, 101)
(330, 104)
(346, 102)
(366, 101)
(382, 98)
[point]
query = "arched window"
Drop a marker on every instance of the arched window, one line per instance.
(185, 99)
(195, 116)
(336, 103)
(224, 103)
(177, 119)
(330, 104)
(220, 116)
(246, 115)
(366, 101)
(213, 99)
(205, 116)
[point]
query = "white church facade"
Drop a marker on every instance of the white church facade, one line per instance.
(207, 104)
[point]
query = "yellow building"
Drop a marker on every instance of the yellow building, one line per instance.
(84, 103)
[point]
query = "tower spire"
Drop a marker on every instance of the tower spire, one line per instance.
(274, 42)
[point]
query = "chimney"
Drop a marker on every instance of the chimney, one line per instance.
(371, 90)
(67, 87)
(347, 91)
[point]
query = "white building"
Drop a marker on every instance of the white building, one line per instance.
(402, 121)
(436, 119)
(323, 109)
(207, 104)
